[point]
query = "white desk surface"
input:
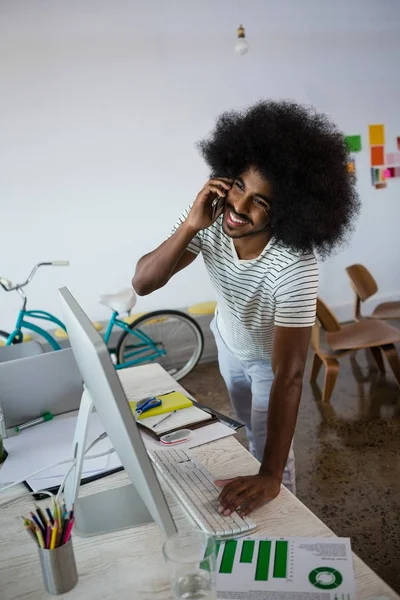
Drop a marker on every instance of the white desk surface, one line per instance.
(129, 564)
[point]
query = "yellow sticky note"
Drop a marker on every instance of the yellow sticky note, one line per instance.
(376, 135)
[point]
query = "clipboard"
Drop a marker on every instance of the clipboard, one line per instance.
(196, 425)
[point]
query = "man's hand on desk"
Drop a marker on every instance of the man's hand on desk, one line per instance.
(248, 493)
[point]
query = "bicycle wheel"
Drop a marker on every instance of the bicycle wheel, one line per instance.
(168, 337)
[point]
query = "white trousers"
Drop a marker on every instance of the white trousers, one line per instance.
(249, 385)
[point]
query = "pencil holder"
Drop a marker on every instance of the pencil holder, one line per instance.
(59, 569)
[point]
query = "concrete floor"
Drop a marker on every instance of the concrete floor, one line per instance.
(347, 456)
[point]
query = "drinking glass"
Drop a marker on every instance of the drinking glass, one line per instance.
(191, 559)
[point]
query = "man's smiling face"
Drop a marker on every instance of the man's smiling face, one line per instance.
(247, 205)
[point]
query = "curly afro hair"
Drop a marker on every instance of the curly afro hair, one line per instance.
(304, 157)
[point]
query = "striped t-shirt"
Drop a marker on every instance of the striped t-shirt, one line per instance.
(279, 287)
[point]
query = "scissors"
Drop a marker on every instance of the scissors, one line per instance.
(146, 404)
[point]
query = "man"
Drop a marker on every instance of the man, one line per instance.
(281, 173)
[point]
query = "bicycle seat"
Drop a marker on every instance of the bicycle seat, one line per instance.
(123, 301)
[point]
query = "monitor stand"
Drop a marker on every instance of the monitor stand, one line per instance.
(102, 512)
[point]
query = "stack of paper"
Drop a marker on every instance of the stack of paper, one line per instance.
(47, 444)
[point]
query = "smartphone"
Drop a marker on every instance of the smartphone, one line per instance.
(218, 206)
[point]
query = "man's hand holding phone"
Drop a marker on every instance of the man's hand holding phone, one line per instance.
(209, 203)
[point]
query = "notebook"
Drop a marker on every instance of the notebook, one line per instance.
(170, 402)
(181, 419)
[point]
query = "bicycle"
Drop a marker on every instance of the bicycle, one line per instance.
(168, 337)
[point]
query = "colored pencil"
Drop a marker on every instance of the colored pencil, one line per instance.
(39, 536)
(69, 530)
(31, 533)
(48, 536)
(49, 514)
(59, 533)
(41, 516)
(37, 523)
(53, 537)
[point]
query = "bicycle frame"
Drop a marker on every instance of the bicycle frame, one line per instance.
(16, 335)
(144, 350)
(146, 344)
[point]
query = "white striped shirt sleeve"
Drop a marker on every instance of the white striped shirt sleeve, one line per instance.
(296, 290)
(196, 243)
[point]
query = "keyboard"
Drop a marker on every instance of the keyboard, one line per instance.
(194, 487)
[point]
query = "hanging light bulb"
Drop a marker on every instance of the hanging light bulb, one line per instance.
(242, 44)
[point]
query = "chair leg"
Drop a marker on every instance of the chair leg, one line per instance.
(331, 373)
(316, 367)
(377, 354)
(393, 359)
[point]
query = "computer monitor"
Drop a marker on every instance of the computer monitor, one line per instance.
(140, 502)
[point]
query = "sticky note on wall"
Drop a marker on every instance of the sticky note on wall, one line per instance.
(376, 176)
(377, 156)
(389, 173)
(376, 135)
(353, 143)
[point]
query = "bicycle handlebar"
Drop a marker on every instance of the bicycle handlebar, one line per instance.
(8, 286)
(5, 283)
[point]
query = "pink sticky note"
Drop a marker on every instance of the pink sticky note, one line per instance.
(387, 173)
(390, 158)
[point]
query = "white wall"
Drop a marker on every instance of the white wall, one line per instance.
(102, 101)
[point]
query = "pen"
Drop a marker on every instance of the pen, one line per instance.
(164, 419)
(45, 417)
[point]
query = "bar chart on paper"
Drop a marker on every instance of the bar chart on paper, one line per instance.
(292, 568)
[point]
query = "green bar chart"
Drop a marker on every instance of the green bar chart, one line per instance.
(260, 554)
(281, 558)
(228, 557)
(322, 567)
(247, 551)
(264, 554)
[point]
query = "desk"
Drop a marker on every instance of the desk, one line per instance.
(128, 565)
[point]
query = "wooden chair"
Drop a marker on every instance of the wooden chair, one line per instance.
(365, 286)
(343, 339)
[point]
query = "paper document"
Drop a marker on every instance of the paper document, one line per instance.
(137, 386)
(286, 569)
(201, 436)
(49, 443)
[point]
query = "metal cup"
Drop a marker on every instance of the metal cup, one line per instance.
(59, 569)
